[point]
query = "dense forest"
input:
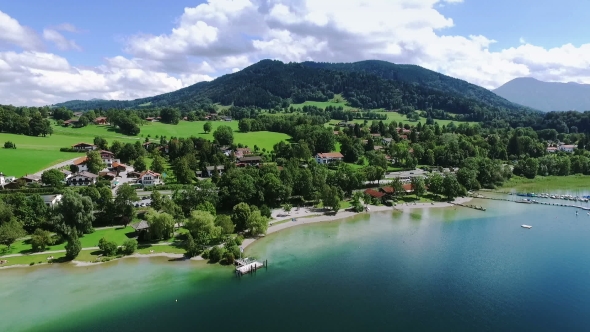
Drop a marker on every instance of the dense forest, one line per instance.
(272, 84)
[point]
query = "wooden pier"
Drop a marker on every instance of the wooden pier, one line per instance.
(247, 265)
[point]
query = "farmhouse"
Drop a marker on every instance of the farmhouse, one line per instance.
(209, 170)
(149, 178)
(81, 163)
(84, 147)
(108, 158)
(67, 174)
(82, 179)
(324, 158)
(118, 167)
(101, 120)
(51, 200)
(567, 148)
(551, 149)
(69, 123)
(251, 161)
(242, 152)
(31, 178)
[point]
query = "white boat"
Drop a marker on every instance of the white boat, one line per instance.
(526, 226)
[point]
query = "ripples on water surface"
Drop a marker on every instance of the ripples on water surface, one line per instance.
(438, 269)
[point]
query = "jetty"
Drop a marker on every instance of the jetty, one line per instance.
(248, 265)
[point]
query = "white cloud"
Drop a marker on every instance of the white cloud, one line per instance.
(223, 36)
(59, 40)
(14, 34)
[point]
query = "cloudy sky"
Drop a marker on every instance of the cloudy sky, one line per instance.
(69, 49)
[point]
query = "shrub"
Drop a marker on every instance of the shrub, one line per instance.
(129, 246)
(9, 145)
(205, 254)
(73, 247)
(108, 248)
(228, 258)
(41, 239)
(216, 254)
(70, 150)
(239, 239)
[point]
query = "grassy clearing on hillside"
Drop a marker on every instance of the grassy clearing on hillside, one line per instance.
(549, 184)
(338, 100)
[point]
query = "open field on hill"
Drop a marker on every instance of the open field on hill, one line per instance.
(35, 153)
(397, 117)
(549, 184)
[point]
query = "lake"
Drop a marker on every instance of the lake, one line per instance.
(435, 269)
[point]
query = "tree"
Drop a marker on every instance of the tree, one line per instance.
(170, 115)
(53, 177)
(207, 127)
(451, 187)
(287, 208)
(240, 215)
(73, 214)
(244, 125)
(190, 246)
(106, 198)
(418, 186)
(139, 165)
(256, 223)
(201, 225)
(435, 184)
(207, 207)
(73, 247)
(123, 204)
(184, 174)
(94, 162)
(101, 143)
(331, 198)
(41, 239)
(216, 254)
(158, 164)
(224, 135)
(109, 248)
(129, 246)
(10, 232)
(161, 225)
(157, 200)
(224, 221)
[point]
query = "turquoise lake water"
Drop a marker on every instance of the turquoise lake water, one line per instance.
(439, 269)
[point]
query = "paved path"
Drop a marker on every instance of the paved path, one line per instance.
(60, 165)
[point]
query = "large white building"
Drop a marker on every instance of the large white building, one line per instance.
(149, 178)
(324, 158)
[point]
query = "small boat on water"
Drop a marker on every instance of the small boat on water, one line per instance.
(526, 226)
(525, 201)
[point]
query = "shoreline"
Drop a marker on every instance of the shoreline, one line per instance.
(277, 226)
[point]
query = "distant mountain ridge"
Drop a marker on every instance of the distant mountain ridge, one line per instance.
(366, 84)
(546, 96)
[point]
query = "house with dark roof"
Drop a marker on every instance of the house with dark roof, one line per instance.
(84, 147)
(209, 170)
(83, 178)
(101, 120)
(249, 161)
(51, 200)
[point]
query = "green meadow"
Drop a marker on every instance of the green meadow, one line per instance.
(397, 117)
(36, 153)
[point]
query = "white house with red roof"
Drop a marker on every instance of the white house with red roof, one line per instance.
(81, 163)
(150, 178)
(324, 158)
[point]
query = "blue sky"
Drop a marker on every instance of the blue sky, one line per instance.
(129, 49)
(546, 23)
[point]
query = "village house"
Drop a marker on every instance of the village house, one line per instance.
(84, 147)
(375, 135)
(249, 161)
(67, 174)
(31, 178)
(386, 140)
(150, 178)
(404, 131)
(150, 119)
(83, 178)
(242, 152)
(324, 158)
(2, 180)
(374, 194)
(108, 158)
(567, 148)
(51, 200)
(209, 170)
(101, 120)
(70, 123)
(81, 164)
(551, 149)
(118, 167)
(227, 118)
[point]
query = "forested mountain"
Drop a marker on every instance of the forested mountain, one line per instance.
(272, 84)
(546, 96)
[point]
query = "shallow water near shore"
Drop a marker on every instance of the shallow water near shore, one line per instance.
(432, 269)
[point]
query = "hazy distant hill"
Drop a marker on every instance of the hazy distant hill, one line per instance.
(546, 96)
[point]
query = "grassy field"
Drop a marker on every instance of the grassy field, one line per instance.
(397, 117)
(36, 153)
(119, 235)
(549, 184)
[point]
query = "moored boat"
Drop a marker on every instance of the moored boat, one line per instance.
(526, 226)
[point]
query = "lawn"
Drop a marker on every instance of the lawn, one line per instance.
(397, 117)
(548, 184)
(119, 235)
(338, 100)
(24, 161)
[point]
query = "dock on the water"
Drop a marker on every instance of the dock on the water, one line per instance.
(247, 265)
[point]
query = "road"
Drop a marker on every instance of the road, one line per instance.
(60, 165)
